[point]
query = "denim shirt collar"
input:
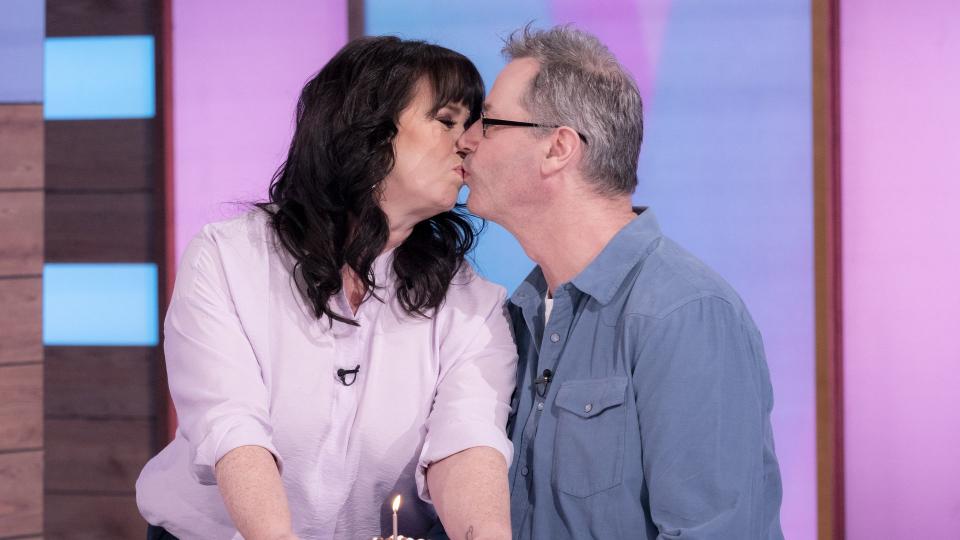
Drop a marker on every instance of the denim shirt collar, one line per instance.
(604, 276)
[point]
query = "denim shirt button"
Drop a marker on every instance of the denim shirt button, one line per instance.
(540, 406)
(588, 407)
(524, 471)
(555, 337)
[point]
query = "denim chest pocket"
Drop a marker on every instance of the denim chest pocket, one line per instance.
(591, 427)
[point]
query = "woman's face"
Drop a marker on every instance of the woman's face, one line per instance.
(427, 172)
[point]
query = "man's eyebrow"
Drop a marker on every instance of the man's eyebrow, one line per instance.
(487, 106)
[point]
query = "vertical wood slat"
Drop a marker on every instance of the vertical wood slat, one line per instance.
(21, 350)
(100, 227)
(21, 147)
(92, 517)
(21, 233)
(21, 324)
(356, 19)
(101, 155)
(166, 414)
(104, 204)
(21, 493)
(829, 299)
(96, 455)
(100, 17)
(99, 382)
(21, 406)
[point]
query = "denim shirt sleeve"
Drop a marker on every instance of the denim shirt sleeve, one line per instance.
(701, 405)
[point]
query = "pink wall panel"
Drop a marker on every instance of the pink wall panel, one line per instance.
(238, 68)
(900, 83)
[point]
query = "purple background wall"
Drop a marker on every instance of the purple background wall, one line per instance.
(900, 79)
(237, 72)
(728, 167)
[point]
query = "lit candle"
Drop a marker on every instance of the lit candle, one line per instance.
(396, 506)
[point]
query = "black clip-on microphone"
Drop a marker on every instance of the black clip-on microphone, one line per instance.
(543, 380)
(342, 375)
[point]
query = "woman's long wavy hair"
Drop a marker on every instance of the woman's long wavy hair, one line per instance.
(324, 199)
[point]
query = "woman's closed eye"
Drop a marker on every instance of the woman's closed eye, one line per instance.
(449, 122)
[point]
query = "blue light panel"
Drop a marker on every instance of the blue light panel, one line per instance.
(100, 304)
(87, 78)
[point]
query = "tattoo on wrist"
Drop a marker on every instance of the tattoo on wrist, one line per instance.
(469, 534)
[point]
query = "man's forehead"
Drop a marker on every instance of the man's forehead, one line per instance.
(511, 84)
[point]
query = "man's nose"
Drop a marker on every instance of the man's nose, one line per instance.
(467, 142)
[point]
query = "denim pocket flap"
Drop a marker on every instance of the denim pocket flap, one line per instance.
(589, 397)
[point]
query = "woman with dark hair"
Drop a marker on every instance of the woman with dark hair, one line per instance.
(332, 348)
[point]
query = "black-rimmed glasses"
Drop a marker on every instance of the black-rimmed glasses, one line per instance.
(486, 121)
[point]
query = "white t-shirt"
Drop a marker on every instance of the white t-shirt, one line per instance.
(249, 364)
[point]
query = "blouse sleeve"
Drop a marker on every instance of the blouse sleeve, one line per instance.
(214, 376)
(477, 378)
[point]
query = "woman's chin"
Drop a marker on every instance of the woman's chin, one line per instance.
(446, 202)
(435, 208)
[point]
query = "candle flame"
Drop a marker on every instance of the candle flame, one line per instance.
(396, 503)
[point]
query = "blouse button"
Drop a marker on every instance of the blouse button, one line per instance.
(588, 407)
(555, 337)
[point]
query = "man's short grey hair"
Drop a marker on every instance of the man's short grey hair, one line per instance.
(582, 85)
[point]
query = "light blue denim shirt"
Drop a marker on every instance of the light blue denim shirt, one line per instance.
(656, 420)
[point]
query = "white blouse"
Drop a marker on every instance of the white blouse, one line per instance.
(248, 364)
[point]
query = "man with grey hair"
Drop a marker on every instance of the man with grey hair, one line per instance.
(643, 400)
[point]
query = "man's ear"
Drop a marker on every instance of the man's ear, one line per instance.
(565, 145)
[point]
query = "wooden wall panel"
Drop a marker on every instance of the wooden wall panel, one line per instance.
(21, 233)
(825, 40)
(114, 382)
(104, 182)
(21, 493)
(21, 147)
(356, 19)
(97, 455)
(91, 155)
(93, 517)
(100, 227)
(101, 17)
(21, 270)
(21, 324)
(21, 406)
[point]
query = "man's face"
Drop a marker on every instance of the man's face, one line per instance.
(502, 168)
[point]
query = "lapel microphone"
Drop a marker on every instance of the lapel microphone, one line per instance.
(343, 373)
(542, 383)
